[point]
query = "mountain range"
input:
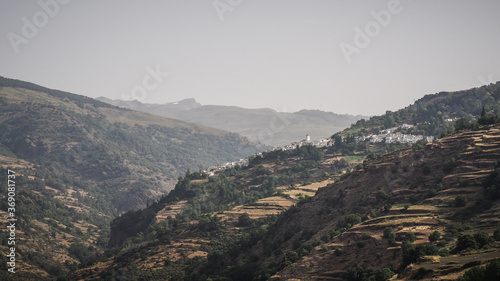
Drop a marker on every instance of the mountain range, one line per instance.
(264, 125)
(109, 193)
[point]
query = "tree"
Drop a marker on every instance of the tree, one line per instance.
(387, 208)
(292, 256)
(490, 272)
(244, 220)
(387, 232)
(351, 220)
(383, 274)
(465, 124)
(381, 196)
(466, 241)
(410, 237)
(482, 239)
(434, 236)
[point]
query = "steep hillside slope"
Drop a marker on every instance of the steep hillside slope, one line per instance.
(264, 125)
(121, 149)
(436, 188)
(205, 217)
(375, 220)
(434, 114)
(80, 162)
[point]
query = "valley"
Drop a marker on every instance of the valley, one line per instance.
(108, 193)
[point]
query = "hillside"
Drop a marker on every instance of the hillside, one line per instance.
(434, 114)
(264, 125)
(263, 221)
(430, 117)
(80, 162)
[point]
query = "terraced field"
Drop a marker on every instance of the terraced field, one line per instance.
(474, 154)
(276, 204)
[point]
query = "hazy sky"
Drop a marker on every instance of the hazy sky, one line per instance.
(356, 57)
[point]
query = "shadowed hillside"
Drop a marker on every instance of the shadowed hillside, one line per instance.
(80, 162)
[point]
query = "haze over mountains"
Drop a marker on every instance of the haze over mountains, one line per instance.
(263, 125)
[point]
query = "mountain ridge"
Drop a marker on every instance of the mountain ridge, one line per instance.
(265, 125)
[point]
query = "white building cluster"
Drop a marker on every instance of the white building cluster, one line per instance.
(307, 141)
(214, 169)
(389, 136)
(244, 162)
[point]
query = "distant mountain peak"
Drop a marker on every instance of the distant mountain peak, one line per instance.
(184, 104)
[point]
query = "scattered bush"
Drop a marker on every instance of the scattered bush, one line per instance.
(324, 247)
(411, 252)
(292, 256)
(381, 196)
(361, 273)
(387, 232)
(482, 239)
(410, 237)
(490, 272)
(244, 220)
(387, 208)
(466, 241)
(434, 236)
(351, 220)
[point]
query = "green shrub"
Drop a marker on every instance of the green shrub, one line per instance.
(466, 241)
(410, 237)
(381, 196)
(244, 220)
(387, 208)
(496, 234)
(292, 256)
(387, 232)
(334, 233)
(411, 252)
(490, 272)
(434, 236)
(361, 273)
(351, 220)
(482, 239)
